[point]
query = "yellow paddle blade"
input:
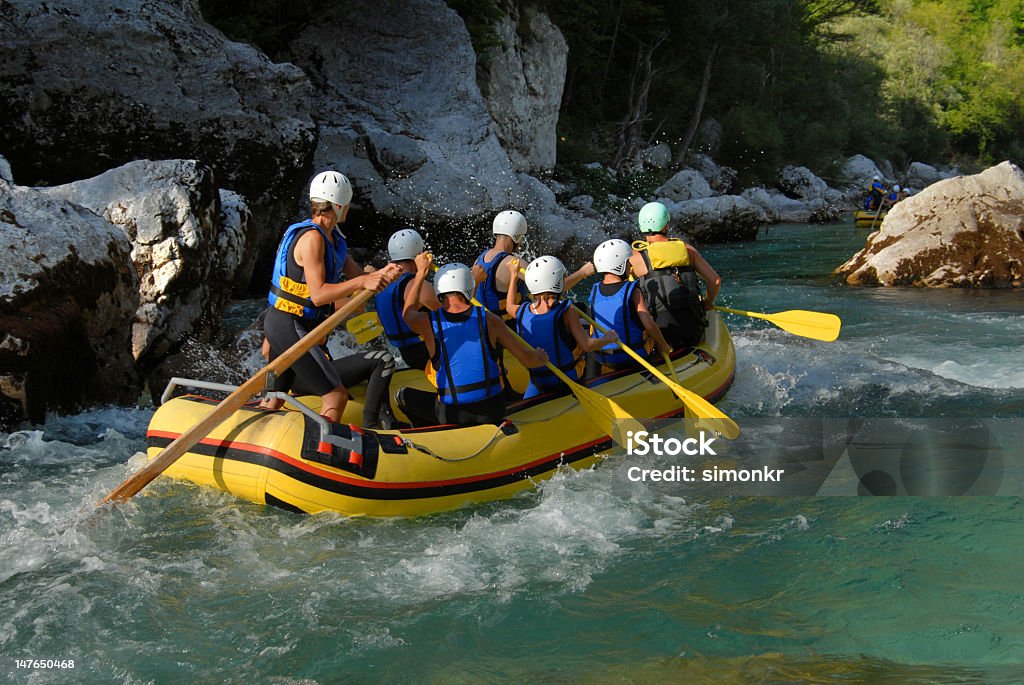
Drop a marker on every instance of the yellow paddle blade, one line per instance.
(364, 327)
(813, 325)
(606, 414)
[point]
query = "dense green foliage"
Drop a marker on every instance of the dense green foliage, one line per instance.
(798, 81)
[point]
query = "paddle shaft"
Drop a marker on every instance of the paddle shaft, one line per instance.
(187, 440)
(878, 212)
(554, 369)
(628, 350)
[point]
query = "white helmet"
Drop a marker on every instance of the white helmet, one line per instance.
(612, 257)
(510, 223)
(896, 187)
(455, 278)
(545, 275)
(331, 186)
(405, 244)
(875, 178)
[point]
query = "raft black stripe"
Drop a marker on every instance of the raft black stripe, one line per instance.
(281, 504)
(371, 493)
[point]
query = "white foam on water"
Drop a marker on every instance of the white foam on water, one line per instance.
(1002, 369)
(776, 376)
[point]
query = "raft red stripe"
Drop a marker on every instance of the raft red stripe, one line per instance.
(246, 447)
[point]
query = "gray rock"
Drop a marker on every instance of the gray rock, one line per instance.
(400, 112)
(800, 182)
(965, 232)
(858, 171)
(887, 169)
(657, 156)
(5, 170)
(236, 239)
(581, 202)
(68, 295)
(720, 178)
(92, 85)
(559, 188)
(687, 184)
(530, 195)
(186, 257)
(921, 175)
(525, 75)
(726, 218)
(709, 137)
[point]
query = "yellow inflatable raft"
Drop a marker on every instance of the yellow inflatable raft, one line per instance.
(864, 218)
(283, 458)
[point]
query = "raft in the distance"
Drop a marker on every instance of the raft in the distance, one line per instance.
(281, 457)
(866, 218)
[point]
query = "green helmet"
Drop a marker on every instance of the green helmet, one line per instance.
(653, 217)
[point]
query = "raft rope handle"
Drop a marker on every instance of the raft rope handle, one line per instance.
(547, 418)
(426, 450)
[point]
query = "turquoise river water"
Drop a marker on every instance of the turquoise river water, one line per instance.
(590, 578)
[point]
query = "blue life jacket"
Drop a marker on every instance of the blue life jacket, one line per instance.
(288, 289)
(390, 303)
(615, 311)
(487, 292)
(549, 333)
(467, 370)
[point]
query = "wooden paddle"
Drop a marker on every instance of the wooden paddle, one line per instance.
(708, 414)
(187, 440)
(814, 325)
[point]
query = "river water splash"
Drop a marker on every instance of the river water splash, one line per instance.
(588, 578)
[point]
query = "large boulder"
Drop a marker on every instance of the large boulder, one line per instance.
(186, 252)
(961, 232)
(920, 175)
(89, 86)
(720, 178)
(400, 112)
(5, 170)
(656, 156)
(857, 172)
(522, 85)
(780, 208)
(687, 184)
(68, 295)
(800, 183)
(726, 218)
